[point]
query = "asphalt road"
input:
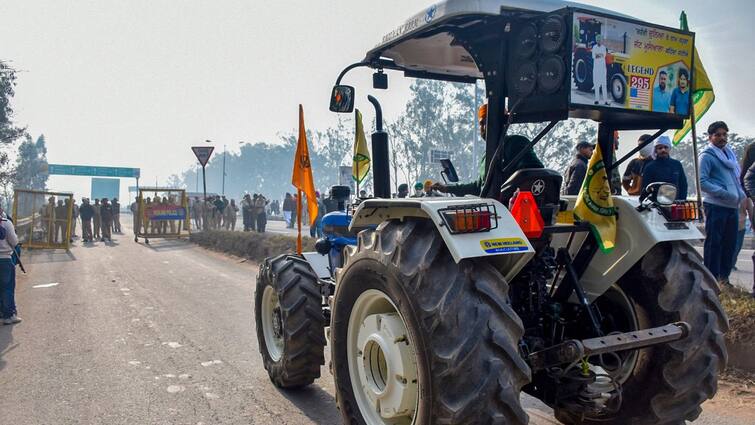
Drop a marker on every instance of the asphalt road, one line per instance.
(125, 333)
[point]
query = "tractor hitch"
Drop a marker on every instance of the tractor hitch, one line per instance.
(573, 350)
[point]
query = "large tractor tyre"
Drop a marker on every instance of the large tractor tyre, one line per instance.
(618, 85)
(419, 339)
(669, 382)
(582, 70)
(290, 321)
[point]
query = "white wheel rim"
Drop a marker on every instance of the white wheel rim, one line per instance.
(618, 88)
(382, 362)
(617, 295)
(272, 325)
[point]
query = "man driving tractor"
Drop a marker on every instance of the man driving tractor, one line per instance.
(512, 145)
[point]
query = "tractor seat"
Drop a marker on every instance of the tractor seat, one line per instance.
(545, 185)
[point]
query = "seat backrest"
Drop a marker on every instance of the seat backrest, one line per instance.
(543, 183)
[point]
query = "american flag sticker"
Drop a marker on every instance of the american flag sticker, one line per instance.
(639, 93)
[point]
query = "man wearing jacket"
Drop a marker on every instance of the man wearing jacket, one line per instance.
(87, 212)
(575, 175)
(720, 184)
(665, 169)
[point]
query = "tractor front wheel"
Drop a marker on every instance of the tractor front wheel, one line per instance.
(419, 339)
(290, 321)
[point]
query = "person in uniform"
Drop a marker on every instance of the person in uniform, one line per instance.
(97, 219)
(116, 206)
(61, 221)
(106, 217)
(87, 212)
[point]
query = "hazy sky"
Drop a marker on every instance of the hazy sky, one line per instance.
(136, 83)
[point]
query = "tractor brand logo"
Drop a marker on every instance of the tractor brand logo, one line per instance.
(430, 14)
(497, 246)
(538, 187)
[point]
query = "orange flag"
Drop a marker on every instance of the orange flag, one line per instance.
(302, 176)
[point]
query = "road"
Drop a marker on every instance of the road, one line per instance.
(125, 333)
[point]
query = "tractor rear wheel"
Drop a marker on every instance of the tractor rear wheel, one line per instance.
(582, 70)
(420, 339)
(290, 321)
(668, 383)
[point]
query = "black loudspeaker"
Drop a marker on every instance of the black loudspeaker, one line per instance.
(538, 59)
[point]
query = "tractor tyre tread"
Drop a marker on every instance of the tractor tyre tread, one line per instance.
(302, 317)
(470, 332)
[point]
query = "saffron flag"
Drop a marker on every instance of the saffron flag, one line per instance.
(595, 205)
(302, 175)
(360, 165)
(702, 91)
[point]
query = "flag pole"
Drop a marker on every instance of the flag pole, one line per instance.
(354, 155)
(298, 222)
(697, 164)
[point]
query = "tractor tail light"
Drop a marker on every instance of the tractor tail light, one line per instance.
(470, 218)
(527, 214)
(681, 211)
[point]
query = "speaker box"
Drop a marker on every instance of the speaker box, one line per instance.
(538, 68)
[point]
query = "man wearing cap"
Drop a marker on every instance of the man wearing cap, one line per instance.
(665, 169)
(577, 170)
(418, 190)
(632, 179)
(512, 146)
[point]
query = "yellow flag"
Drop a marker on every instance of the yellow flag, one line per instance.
(595, 205)
(360, 165)
(302, 175)
(702, 91)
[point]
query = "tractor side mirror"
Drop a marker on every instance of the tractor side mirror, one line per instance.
(380, 80)
(342, 99)
(449, 172)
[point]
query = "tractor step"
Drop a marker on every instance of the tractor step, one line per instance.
(573, 350)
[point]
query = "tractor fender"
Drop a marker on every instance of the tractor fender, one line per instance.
(506, 245)
(636, 234)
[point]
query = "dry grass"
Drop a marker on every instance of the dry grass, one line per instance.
(251, 245)
(740, 307)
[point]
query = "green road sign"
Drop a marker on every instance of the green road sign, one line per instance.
(88, 170)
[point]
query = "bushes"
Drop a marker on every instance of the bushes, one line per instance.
(251, 245)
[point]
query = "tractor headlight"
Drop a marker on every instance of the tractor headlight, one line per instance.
(666, 194)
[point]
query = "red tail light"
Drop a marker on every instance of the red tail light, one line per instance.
(470, 218)
(527, 214)
(682, 211)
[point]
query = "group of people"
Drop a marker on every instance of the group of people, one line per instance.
(218, 213)
(98, 220)
(254, 212)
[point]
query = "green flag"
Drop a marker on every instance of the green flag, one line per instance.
(702, 90)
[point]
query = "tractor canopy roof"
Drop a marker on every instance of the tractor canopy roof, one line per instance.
(424, 44)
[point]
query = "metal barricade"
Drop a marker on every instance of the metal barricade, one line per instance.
(161, 213)
(43, 219)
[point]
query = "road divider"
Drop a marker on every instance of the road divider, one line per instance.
(251, 245)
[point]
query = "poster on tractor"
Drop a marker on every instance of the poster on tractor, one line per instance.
(630, 65)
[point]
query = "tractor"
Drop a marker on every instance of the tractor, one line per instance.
(587, 30)
(444, 310)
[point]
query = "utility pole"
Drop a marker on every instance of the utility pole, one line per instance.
(223, 188)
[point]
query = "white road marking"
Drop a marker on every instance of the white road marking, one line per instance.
(173, 344)
(134, 363)
(211, 362)
(175, 389)
(211, 396)
(46, 285)
(184, 376)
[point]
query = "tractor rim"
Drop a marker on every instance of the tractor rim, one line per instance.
(580, 71)
(272, 323)
(617, 89)
(619, 304)
(382, 362)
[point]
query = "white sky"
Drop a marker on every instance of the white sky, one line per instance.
(136, 83)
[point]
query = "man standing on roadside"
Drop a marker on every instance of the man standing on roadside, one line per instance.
(135, 215)
(97, 220)
(116, 207)
(87, 212)
(575, 175)
(106, 217)
(722, 190)
(8, 242)
(665, 169)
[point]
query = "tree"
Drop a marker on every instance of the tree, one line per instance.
(31, 164)
(9, 132)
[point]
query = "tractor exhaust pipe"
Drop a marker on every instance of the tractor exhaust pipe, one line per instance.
(381, 175)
